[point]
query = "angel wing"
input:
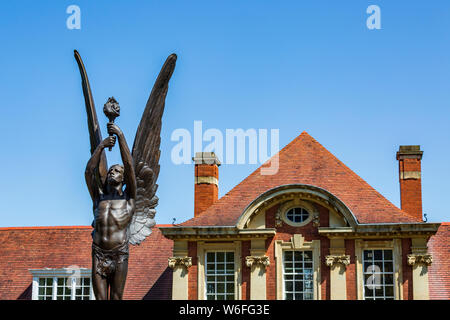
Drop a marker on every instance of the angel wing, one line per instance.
(146, 156)
(95, 134)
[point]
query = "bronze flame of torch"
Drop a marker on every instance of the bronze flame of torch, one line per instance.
(112, 110)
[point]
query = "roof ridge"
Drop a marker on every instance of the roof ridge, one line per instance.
(43, 227)
(61, 227)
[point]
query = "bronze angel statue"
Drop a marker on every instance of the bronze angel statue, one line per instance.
(124, 196)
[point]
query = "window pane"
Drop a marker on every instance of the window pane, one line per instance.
(378, 255)
(388, 267)
(288, 286)
(308, 274)
(307, 256)
(288, 256)
(387, 254)
(210, 257)
(368, 255)
(210, 288)
(368, 291)
(388, 279)
(389, 291)
(308, 296)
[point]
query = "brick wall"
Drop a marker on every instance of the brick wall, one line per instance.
(245, 270)
(439, 271)
(351, 270)
(192, 271)
(407, 270)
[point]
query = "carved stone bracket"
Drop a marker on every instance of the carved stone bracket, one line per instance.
(180, 261)
(343, 259)
(278, 219)
(316, 221)
(255, 260)
(415, 258)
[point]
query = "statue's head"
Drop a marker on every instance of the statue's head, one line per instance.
(115, 175)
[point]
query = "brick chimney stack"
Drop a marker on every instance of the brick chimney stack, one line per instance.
(206, 181)
(409, 159)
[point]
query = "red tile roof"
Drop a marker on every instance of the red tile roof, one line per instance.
(439, 271)
(27, 248)
(305, 161)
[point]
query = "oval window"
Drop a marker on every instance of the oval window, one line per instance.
(297, 215)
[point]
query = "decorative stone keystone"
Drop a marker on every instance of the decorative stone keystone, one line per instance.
(255, 260)
(343, 259)
(426, 259)
(180, 261)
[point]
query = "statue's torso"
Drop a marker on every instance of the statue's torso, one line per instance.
(112, 217)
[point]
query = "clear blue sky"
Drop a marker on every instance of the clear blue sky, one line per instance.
(288, 65)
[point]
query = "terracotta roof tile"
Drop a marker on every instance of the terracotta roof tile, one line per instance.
(305, 161)
(27, 248)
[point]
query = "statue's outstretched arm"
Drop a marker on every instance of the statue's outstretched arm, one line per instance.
(128, 166)
(93, 163)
